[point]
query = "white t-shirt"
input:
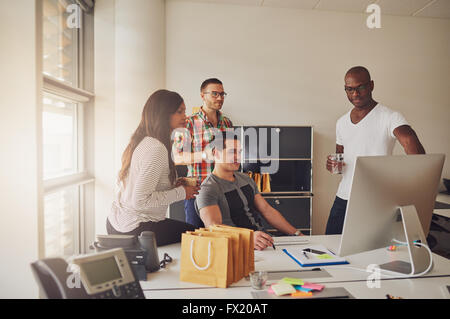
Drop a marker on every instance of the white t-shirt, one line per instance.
(372, 136)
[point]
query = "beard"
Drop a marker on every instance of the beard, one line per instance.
(214, 105)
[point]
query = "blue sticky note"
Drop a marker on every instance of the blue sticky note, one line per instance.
(300, 288)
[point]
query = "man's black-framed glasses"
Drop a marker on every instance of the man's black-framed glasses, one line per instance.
(216, 94)
(360, 88)
(166, 260)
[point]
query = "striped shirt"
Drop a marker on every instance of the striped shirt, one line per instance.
(147, 192)
(201, 133)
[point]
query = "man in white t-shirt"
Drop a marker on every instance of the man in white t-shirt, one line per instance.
(369, 129)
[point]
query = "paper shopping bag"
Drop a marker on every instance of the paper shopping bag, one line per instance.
(247, 245)
(266, 183)
(205, 260)
(232, 275)
(238, 252)
(257, 179)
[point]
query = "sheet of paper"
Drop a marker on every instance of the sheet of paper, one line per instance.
(312, 286)
(301, 288)
(281, 289)
(324, 256)
(293, 281)
(301, 294)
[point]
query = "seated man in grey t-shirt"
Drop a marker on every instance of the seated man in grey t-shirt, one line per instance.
(231, 198)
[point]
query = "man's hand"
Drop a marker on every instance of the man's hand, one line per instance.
(330, 163)
(262, 240)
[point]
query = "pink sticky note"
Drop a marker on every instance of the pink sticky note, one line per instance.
(312, 286)
(270, 291)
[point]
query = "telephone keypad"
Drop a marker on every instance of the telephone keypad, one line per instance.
(131, 290)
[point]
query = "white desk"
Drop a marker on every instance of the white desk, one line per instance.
(422, 288)
(167, 280)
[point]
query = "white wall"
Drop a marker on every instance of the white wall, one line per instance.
(286, 67)
(20, 203)
(129, 66)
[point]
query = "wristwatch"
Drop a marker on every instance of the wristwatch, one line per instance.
(297, 233)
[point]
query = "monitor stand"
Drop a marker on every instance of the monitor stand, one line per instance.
(418, 255)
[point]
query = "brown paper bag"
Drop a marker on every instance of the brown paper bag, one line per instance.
(205, 260)
(247, 244)
(266, 183)
(232, 268)
(238, 251)
(257, 179)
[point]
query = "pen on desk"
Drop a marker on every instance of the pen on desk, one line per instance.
(304, 253)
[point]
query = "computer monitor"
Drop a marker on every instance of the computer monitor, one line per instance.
(382, 184)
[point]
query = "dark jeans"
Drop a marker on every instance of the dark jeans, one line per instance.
(191, 214)
(337, 217)
(167, 231)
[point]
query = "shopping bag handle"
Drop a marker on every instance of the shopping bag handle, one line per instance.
(192, 257)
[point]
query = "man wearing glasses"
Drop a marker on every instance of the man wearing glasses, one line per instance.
(193, 147)
(369, 129)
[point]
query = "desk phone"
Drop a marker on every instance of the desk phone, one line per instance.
(105, 275)
(108, 275)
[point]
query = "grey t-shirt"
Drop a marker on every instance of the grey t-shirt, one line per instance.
(235, 200)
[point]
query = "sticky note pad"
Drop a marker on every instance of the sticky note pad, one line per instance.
(301, 288)
(293, 281)
(281, 289)
(309, 285)
(302, 294)
(270, 291)
(324, 256)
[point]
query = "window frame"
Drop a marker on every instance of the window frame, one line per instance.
(74, 93)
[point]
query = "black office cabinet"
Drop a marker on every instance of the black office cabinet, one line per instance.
(279, 142)
(285, 153)
(286, 176)
(290, 206)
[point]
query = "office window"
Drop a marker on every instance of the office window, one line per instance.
(62, 222)
(59, 125)
(64, 110)
(60, 42)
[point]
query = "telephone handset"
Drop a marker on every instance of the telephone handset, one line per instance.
(105, 275)
(53, 276)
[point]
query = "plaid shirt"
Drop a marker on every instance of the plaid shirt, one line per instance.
(201, 132)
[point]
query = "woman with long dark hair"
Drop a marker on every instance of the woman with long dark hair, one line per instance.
(148, 180)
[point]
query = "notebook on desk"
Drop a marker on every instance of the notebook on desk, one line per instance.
(313, 256)
(290, 240)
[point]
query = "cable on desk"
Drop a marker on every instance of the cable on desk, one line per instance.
(400, 275)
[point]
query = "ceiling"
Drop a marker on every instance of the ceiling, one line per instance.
(415, 8)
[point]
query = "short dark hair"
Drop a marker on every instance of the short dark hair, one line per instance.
(359, 70)
(210, 81)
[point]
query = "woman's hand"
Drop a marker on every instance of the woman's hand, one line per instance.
(180, 181)
(191, 191)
